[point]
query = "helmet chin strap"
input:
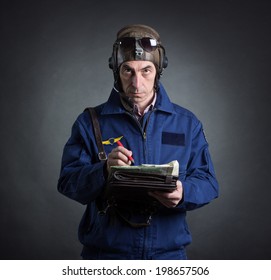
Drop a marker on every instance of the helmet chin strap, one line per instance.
(126, 102)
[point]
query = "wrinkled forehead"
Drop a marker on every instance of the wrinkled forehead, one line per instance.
(138, 64)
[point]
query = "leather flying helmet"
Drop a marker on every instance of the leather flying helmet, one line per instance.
(137, 42)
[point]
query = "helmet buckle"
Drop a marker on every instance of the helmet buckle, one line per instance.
(138, 53)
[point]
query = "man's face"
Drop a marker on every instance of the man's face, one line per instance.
(137, 79)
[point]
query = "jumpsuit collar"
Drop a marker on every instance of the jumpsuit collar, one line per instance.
(114, 105)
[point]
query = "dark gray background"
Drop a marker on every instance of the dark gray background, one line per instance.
(54, 63)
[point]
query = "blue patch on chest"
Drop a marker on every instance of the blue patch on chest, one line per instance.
(176, 139)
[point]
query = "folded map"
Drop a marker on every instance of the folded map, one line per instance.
(171, 168)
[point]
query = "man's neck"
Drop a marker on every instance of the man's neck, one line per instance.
(135, 108)
(143, 110)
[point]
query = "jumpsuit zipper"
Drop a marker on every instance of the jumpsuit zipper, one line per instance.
(144, 135)
(143, 130)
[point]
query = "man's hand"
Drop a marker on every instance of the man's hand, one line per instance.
(169, 199)
(118, 156)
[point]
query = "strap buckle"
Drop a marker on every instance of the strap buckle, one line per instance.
(102, 156)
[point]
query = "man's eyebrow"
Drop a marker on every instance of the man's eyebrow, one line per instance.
(126, 66)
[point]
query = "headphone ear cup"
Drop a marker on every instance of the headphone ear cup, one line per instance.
(165, 62)
(111, 62)
(163, 59)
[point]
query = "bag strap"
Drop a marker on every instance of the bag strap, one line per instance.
(97, 132)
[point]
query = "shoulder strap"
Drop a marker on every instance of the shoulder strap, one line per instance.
(97, 132)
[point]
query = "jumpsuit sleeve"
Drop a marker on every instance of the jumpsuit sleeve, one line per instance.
(82, 174)
(200, 185)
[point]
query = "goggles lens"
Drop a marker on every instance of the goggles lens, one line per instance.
(129, 43)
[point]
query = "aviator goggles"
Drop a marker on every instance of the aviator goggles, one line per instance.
(129, 43)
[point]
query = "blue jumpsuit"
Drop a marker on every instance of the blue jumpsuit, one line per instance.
(168, 132)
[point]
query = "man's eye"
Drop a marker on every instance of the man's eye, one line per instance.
(127, 71)
(146, 71)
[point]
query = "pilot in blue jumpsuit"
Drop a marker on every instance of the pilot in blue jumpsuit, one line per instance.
(153, 130)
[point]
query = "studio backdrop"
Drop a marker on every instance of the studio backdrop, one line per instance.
(54, 63)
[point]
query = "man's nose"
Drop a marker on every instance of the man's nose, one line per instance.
(136, 81)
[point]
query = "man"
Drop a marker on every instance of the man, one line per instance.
(152, 130)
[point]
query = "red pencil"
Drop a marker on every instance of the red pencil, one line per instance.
(129, 157)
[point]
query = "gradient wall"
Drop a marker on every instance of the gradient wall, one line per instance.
(54, 63)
